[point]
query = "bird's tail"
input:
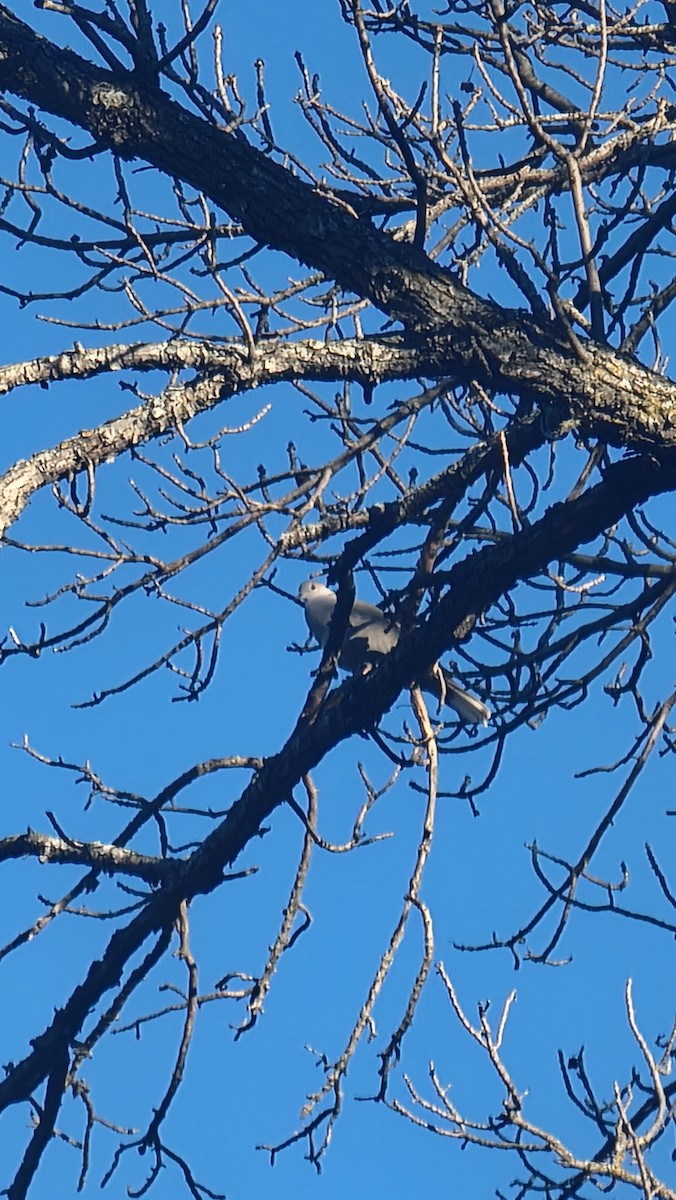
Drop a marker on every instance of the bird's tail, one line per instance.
(440, 685)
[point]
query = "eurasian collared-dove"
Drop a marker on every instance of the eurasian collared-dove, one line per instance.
(371, 634)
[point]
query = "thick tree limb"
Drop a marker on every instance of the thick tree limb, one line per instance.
(476, 582)
(639, 409)
(503, 350)
(92, 855)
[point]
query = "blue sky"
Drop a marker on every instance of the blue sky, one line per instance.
(240, 1094)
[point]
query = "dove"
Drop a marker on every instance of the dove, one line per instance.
(370, 635)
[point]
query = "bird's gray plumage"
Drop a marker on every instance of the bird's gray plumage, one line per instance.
(370, 635)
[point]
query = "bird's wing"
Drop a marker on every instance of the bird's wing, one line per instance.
(370, 635)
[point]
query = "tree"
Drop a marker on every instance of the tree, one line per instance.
(435, 346)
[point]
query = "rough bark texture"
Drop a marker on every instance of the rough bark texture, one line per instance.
(486, 394)
(469, 339)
